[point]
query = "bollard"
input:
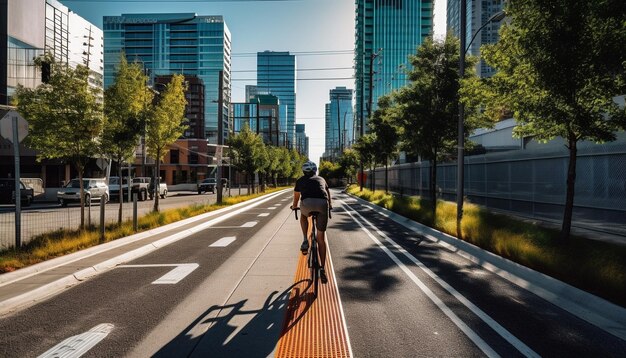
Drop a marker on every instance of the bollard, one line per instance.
(102, 205)
(135, 227)
(88, 214)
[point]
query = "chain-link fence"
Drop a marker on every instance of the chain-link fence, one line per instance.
(47, 217)
(531, 182)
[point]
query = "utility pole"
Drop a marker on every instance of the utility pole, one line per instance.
(220, 135)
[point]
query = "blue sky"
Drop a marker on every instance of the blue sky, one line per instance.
(287, 25)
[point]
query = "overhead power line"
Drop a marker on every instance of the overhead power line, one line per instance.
(297, 79)
(303, 69)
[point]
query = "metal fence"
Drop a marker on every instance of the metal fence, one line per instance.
(531, 182)
(48, 217)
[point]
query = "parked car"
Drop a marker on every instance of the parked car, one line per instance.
(7, 192)
(94, 188)
(207, 185)
(140, 187)
(162, 189)
(114, 187)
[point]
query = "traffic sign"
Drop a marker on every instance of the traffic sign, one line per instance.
(6, 126)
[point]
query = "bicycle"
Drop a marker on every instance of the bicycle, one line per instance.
(313, 257)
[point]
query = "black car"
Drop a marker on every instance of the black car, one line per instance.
(207, 185)
(7, 192)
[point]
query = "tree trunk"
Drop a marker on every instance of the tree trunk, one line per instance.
(433, 186)
(121, 192)
(571, 185)
(156, 180)
(386, 177)
(79, 168)
(373, 175)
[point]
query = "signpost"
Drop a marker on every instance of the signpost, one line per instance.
(14, 128)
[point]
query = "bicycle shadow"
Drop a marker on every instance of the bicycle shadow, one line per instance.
(225, 337)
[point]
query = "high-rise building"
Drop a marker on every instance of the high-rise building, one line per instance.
(339, 122)
(28, 28)
(387, 31)
(169, 44)
(264, 115)
(478, 13)
(276, 75)
(302, 141)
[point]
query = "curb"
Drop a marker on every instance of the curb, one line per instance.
(593, 309)
(51, 288)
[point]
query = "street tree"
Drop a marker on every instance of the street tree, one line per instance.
(559, 65)
(126, 102)
(65, 117)
(366, 150)
(349, 161)
(247, 150)
(428, 106)
(383, 125)
(273, 164)
(165, 125)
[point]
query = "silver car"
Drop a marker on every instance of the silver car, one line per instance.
(93, 189)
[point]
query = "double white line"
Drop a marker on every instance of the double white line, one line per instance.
(519, 345)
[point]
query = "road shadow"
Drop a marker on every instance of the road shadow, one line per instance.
(224, 337)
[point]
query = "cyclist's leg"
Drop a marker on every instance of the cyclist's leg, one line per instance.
(304, 224)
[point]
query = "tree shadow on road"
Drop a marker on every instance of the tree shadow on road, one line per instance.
(226, 337)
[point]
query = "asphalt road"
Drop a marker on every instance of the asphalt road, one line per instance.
(395, 308)
(46, 217)
(402, 297)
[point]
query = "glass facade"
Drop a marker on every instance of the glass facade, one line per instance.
(339, 121)
(276, 75)
(302, 141)
(169, 44)
(263, 115)
(391, 29)
(478, 12)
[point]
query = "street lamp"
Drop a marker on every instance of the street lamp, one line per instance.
(461, 126)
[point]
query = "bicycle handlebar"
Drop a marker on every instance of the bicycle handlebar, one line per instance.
(295, 211)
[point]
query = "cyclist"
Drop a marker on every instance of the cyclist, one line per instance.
(313, 193)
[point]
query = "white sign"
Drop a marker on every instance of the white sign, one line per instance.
(6, 126)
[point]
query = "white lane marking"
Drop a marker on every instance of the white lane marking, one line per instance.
(285, 199)
(271, 208)
(264, 214)
(442, 306)
(223, 242)
(78, 345)
(503, 332)
(343, 317)
(179, 272)
(277, 205)
(250, 224)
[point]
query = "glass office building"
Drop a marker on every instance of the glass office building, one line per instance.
(302, 141)
(276, 75)
(168, 44)
(264, 115)
(478, 12)
(339, 122)
(393, 29)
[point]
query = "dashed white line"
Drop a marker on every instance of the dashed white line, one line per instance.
(271, 208)
(264, 214)
(223, 242)
(250, 224)
(78, 345)
(179, 272)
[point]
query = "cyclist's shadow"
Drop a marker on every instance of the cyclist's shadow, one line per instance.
(257, 338)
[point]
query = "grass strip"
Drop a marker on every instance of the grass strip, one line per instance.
(594, 266)
(62, 242)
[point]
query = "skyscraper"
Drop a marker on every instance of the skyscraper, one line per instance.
(339, 122)
(176, 43)
(387, 31)
(302, 141)
(276, 75)
(478, 12)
